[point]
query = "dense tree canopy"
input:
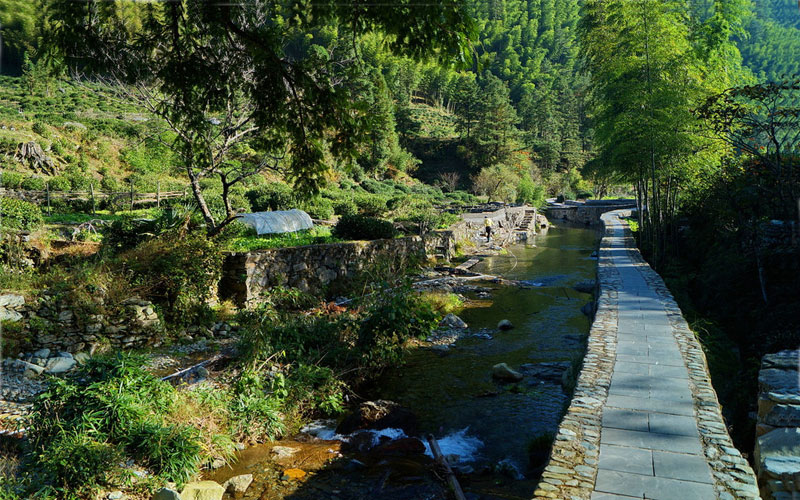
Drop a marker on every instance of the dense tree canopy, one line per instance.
(243, 84)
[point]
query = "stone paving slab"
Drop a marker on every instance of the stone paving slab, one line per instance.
(644, 421)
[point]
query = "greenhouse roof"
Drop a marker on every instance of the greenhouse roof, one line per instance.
(279, 221)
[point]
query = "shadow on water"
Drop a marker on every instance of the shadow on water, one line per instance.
(491, 426)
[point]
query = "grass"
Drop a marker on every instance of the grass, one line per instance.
(315, 236)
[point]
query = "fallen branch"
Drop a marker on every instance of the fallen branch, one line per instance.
(451, 477)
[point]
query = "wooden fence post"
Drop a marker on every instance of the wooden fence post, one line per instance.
(91, 194)
(158, 194)
(47, 189)
(132, 195)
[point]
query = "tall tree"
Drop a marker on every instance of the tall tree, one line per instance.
(647, 75)
(495, 131)
(243, 83)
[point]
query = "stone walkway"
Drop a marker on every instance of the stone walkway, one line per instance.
(644, 420)
(649, 442)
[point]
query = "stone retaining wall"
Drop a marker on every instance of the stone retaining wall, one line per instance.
(572, 469)
(51, 323)
(777, 454)
(246, 276)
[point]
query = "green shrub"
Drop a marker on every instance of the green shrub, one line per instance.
(127, 232)
(271, 196)
(345, 207)
(530, 193)
(110, 185)
(11, 180)
(370, 205)
(319, 208)
(179, 272)
(34, 184)
(358, 227)
(19, 214)
(59, 183)
(78, 181)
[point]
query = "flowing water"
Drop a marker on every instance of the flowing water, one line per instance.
(485, 422)
(450, 393)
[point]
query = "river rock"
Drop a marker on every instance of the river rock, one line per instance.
(452, 321)
(588, 308)
(585, 286)
(282, 452)
(166, 494)
(402, 446)
(550, 371)
(60, 365)
(115, 495)
(42, 353)
(11, 301)
(505, 325)
(202, 490)
(380, 414)
(238, 484)
(502, 371)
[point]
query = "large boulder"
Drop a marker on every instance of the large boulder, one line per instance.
(401, 447)
(380, 414)
(452, 321)
(202, 490)
(503, 372)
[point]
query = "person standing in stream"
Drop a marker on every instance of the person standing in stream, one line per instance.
(487, 222)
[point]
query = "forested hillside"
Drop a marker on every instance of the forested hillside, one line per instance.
(772, 44)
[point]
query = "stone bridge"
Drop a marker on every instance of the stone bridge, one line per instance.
(585, 212)
(644, 421)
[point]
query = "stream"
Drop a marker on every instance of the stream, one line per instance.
(490, 425)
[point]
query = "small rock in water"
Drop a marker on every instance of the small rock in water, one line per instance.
(217, 463)
(588, 308)
(505, 325)
(238, 484)
(293, 474)
(280, 452)
(115, 495)
(453, 321)
(502, 371)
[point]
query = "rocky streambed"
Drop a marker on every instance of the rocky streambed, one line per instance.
(490, 386)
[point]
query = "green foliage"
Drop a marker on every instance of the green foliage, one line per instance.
(19, 214)
(319, 208)
(179, 270)
(345, 207)
(34, 184)
(248, 242)
(370, 205)
(83, 427)
(358, 227)
(530, 193)
(271, 196)
(11, 180)
(59, 183)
